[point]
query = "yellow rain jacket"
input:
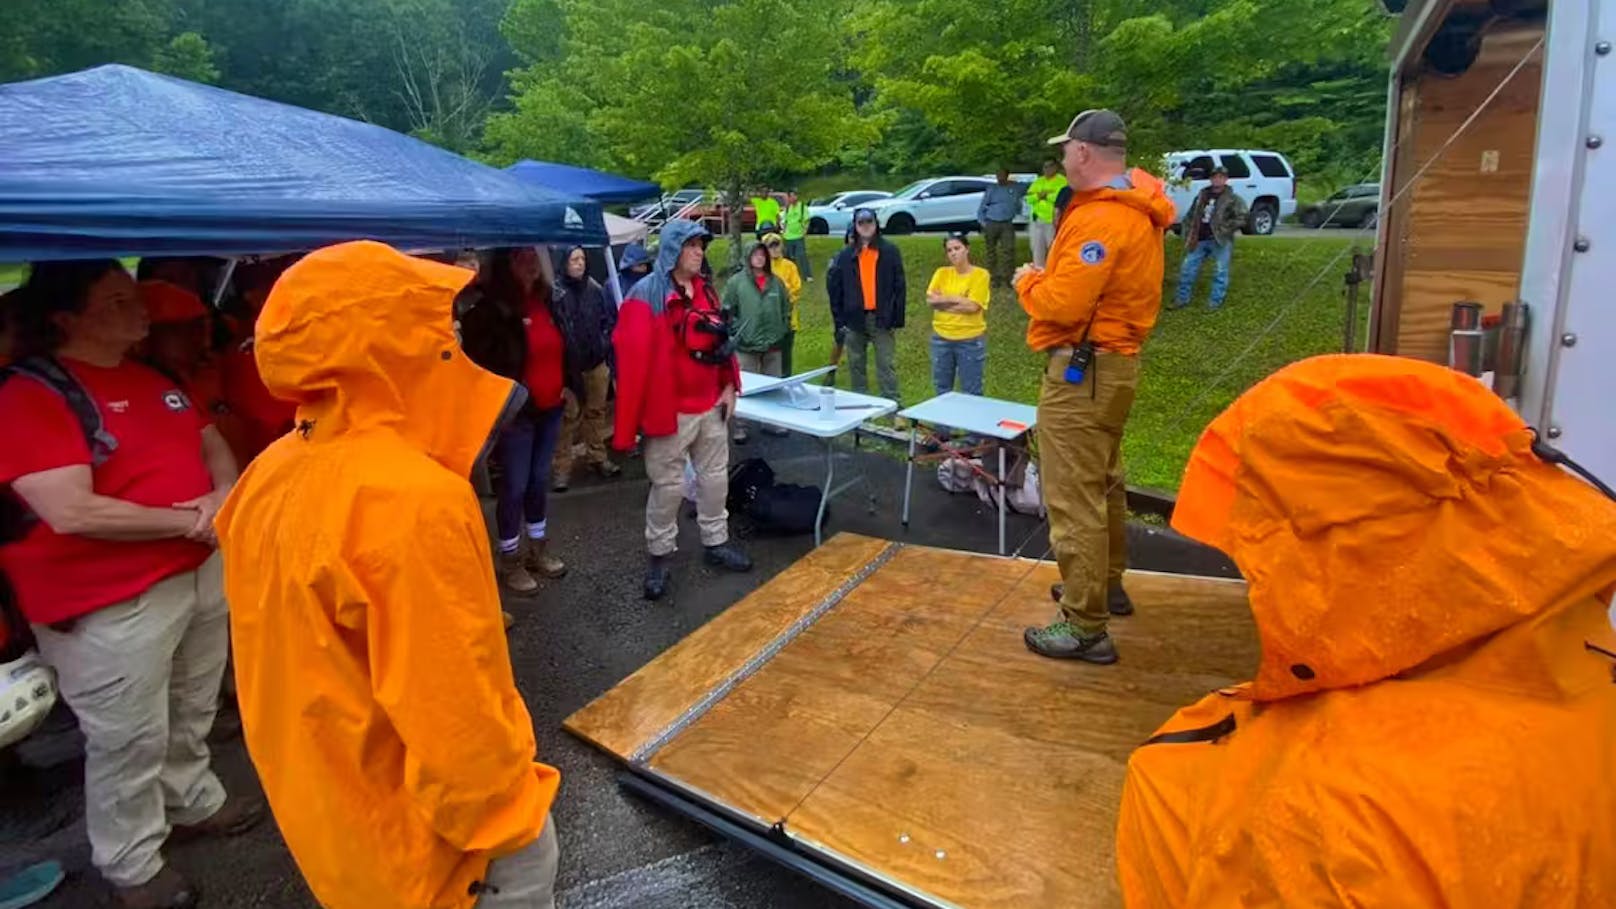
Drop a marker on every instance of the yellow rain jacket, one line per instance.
(786, 271)
(1427, 727)
(371, 664)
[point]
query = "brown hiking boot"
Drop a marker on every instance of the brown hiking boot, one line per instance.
(513, 573)
(238, 814)
(168, 890)
(539, 561)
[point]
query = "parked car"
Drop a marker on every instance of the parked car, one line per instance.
(1351, 206)
(939, 203)
(1264, 180)
(670, 203)
(832, 215)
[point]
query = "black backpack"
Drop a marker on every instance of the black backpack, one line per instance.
(15, 516)
(783, 509)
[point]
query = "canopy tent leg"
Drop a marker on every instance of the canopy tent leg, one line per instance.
(611, 275)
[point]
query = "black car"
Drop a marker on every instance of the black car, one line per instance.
(1352, 206)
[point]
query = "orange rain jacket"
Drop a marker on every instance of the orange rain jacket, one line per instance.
(1427, 727)
(1106, 265)
(371, 663)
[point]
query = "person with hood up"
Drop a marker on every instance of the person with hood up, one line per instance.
(1090, 313)
(677, 379)
(375, 684)
(758, 308)
(512, 331)
(1433, 720)
(786, 270)
(635, 265)
(586, 321)
(868, 293)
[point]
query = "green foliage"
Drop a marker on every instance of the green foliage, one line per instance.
(188, 56)
(1195, 363)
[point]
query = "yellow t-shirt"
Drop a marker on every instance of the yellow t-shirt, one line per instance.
(973, 285)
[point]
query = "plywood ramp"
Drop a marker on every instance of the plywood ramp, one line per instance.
(876, 701)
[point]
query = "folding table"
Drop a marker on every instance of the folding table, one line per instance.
(975, 415)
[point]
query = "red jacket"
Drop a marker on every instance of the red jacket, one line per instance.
(657, 378)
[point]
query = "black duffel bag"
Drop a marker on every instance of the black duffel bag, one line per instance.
(782, 509)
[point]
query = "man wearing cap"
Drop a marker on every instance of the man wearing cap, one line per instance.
(1091, 310)
(867, 292)
(997, 212)
(795, 234)
(1209, 228)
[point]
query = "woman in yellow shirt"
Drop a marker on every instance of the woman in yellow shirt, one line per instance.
(958, 295)
(786, 271)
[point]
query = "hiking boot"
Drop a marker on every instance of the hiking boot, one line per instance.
(1117, 601)
(740, 436)
(510, 620)
(514, 575)
(729, 557)
(165, 891)
(562, 483)
(539, 561)
(657, 574)
(608, 469)
(1060, 641)
(238, 814)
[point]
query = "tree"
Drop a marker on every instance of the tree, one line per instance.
(726, 93)
(188, 56)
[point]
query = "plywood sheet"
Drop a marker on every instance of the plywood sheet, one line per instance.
(909, 732)
(649, 701)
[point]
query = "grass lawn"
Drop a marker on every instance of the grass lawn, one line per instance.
(1181, 390)
(12, 273)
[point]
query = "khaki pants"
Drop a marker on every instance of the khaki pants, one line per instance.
(524, 879)
(885, 341)
(1080, 464)
(584, 421)
(766, 363)
(704, 439)
(142, 676)
(1043, 237)
(1001, 250)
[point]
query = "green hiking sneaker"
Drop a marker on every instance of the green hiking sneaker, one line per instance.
(1061, 641)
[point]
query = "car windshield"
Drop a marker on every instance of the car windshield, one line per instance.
(912, 190)
(824, 201)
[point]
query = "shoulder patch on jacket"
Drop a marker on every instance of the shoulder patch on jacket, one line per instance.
(1092, 252)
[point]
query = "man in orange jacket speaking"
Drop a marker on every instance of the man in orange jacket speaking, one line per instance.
(1090, 312)
(372, 669)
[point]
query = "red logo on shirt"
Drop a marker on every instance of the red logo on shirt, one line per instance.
(118, 406)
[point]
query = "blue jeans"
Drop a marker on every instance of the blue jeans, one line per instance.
(966, 358)
(526, 447)
(1191, 269)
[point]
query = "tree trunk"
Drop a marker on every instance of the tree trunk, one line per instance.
(737, 207)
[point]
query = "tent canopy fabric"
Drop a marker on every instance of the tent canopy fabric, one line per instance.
(604, 188)
(116, 161)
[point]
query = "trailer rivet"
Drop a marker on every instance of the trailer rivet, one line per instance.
(1568, 340)
(903, 837)
(1582, 244)
(1602, 48)
(1595, 141)
(941, 855)
(1554, 432)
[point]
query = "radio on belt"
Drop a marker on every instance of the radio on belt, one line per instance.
(1078, 366)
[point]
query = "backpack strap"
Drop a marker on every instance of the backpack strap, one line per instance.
(53, 375)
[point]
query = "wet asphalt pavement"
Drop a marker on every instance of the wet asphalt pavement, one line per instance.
(578, 637)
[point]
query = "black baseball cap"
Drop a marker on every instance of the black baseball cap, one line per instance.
(1096, 127)
(1220, 169)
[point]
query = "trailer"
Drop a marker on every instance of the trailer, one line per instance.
(1498, 186)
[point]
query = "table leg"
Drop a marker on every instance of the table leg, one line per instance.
(909, 472)
(1003, 494)
(824, 496)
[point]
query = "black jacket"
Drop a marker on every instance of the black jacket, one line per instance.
(493, 335)
(586, 319)
(846, 289)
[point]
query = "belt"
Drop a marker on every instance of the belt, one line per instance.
(1067, 350)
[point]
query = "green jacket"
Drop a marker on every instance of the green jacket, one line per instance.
(759, 319)
(768, 210)
(796, 226)
(1041, 196)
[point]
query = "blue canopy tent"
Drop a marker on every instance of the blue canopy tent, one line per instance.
(607, 189)
(116, 161)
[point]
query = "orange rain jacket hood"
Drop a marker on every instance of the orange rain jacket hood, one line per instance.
(371, 663)
(1106, 265)
(1427, 727)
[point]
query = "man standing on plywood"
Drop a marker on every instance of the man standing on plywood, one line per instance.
(1090, 311)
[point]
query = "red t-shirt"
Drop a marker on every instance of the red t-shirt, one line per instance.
(544, 351)
(261, 417)
(157, 462)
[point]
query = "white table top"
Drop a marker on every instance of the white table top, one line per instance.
(780, 408)
(975, 415)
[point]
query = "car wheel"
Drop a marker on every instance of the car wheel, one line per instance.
(1263, 219)
(1370, 221)
(818, 226)
(1312, 220)
(901, 223)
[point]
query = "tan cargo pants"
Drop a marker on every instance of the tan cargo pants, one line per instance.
(704, 439)
(142, 676)
(584, 421)
(1080, 464)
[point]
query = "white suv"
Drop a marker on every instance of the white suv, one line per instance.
(1264, 180)
(939, 203)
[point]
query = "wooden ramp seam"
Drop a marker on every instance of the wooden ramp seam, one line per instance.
(758, 660)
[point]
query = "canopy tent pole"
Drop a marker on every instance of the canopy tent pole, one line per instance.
(225, 274)
(611, 275)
